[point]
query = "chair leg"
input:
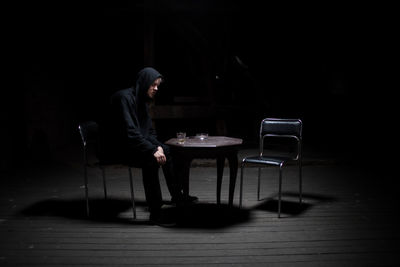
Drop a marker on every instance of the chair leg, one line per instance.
(132, 194)
(86, 190)
(258, 183)
(241, 185)
(300, 184)
(280, 190)
(104, 182)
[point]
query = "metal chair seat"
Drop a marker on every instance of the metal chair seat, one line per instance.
(267, 160)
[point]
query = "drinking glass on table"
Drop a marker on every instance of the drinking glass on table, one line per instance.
(202, 136)
(181, 136)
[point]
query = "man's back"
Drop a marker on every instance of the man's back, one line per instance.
(112, 129)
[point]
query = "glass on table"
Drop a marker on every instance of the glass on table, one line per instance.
(202, 136)
(181, 136)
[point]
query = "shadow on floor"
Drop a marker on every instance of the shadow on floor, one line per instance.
(290, 203)
(100, 210)
(210, 215)
(199, 215)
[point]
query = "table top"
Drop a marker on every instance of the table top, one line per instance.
(211, 141)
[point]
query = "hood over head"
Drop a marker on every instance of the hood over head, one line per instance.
(144, 79)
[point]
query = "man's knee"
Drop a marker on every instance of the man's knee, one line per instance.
(167, 152)
(166, 149)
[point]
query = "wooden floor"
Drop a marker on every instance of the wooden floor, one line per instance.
(346, 220)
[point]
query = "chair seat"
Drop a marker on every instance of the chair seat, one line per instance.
(114, 161)
(105, 162)
(266, 160)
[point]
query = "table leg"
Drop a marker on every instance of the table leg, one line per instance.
(220, 172)
(185, 176)
(233, 167)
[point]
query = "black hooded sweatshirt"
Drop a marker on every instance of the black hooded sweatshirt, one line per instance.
(128, 131)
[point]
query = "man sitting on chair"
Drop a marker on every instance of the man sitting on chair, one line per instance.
(128, 135)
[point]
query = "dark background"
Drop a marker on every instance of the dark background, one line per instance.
(330, 65)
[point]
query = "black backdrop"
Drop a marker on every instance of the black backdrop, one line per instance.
(330, 65)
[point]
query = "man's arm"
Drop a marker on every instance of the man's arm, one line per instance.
(153, 137)
(135, 139)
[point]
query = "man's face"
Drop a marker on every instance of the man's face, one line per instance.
(153, 88)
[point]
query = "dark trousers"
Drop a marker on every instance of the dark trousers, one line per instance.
(151, 181)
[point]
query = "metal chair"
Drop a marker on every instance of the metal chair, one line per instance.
(272, 128)
(89, 133)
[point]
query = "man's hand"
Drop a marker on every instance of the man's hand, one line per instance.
(160, 156)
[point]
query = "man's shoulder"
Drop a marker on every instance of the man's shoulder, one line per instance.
(123, 93)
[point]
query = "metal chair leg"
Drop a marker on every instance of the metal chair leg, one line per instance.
(280, 190)
(132, 194)
(86, 190)
(241, 185)
(258, 183)
(85, 176)
(104, 182)
(300, 184)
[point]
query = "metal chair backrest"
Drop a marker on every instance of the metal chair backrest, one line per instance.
(286, 128)
(89, 132)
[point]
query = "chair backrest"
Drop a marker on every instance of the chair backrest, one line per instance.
(89, 132)
(278, 127)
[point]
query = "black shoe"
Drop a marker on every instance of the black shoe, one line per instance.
(162, 219)
(184, 199)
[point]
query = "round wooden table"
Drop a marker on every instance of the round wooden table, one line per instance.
(219, 147)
